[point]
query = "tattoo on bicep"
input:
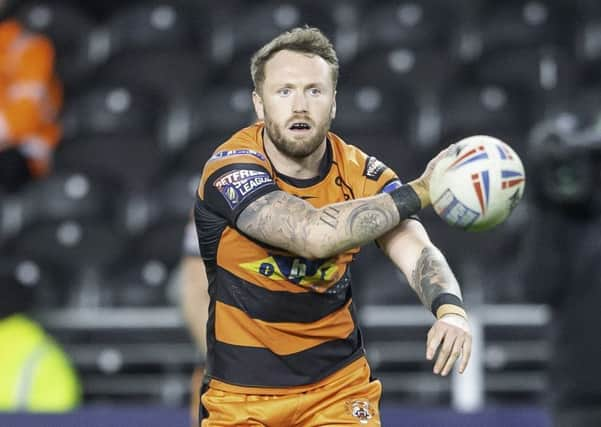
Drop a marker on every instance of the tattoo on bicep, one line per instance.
(274, 218)
(330, 216)
(432, 276)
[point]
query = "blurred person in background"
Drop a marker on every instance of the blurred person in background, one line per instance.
(35, 375)
(282, 208)
(563, 263)
(194, 302)
(30, 100)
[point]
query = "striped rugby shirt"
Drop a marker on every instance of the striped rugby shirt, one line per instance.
(278, 323)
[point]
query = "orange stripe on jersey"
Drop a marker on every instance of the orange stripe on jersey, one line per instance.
(233, 326)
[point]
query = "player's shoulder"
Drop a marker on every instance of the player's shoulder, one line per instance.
(245, 142)
(243, 146)
(355, 159)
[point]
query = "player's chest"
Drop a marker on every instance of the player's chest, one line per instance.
(332, 189)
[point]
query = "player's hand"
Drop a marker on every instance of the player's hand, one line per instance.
(422, 184)
(451, 336)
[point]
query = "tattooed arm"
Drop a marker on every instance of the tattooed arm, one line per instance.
(426, 269)
(410, 248)
(290, 223)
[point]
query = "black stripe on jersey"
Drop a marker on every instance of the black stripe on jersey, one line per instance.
(209, 227)
(251, 366)
(280, 306)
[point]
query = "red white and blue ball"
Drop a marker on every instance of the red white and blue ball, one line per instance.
(478, 184)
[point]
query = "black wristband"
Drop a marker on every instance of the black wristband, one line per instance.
(446, 298)
(406, 200)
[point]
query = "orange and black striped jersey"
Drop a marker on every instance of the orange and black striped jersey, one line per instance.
(277, 321)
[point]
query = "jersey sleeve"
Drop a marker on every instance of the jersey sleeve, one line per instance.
(232, 180)
(377, 177)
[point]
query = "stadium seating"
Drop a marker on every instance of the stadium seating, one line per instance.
(152, 88)
(112, 108)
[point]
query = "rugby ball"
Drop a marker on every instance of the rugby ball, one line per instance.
(477, 185)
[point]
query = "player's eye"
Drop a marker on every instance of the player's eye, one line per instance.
(284, 91)
(314, 91)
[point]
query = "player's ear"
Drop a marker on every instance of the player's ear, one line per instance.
(258, 104)
(333, 112)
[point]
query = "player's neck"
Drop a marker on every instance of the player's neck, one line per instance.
(305, 168)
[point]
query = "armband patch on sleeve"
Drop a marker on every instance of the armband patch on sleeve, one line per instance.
(237, 185)
(239, 152)
(374, 168)
(392, 185)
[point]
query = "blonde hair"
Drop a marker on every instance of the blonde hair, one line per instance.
(301, 39)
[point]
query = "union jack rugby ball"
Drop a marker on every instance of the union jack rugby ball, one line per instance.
(478, 185)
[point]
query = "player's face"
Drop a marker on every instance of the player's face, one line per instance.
(296, 102)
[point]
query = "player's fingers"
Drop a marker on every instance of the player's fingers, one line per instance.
(445, 352)
(467, 352)
(453, 356)
(434, 338)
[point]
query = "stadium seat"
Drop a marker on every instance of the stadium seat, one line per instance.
(490, 110)
(161, 241)
(68, 27)
(403, 23)
(532, 71)
(109, 109)
(518, 24)
(127, 162)
(170, 73)
(138, 283)
(258, 23)
(62, 197)
(70, 243)
(198, 152)
(77, 252)
(217, 111)
(43, 279)
(370, 109)
(170, 200)
(412, 70)
(150, 26)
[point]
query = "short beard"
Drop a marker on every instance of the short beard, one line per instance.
(296, 149)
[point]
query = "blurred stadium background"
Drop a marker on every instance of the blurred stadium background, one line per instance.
(153, 86)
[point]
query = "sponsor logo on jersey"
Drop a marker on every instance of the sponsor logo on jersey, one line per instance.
(453, 211)
(239, 152)
(360, 409)
(237, 185)
(373, 168)
(300, 271)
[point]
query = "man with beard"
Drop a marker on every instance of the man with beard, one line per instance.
(282, 208)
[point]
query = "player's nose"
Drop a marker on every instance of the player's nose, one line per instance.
(299, 103)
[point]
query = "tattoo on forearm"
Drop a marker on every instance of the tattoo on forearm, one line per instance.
(330, 216)
(291, 223)
(366, 220)
(433, 276)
